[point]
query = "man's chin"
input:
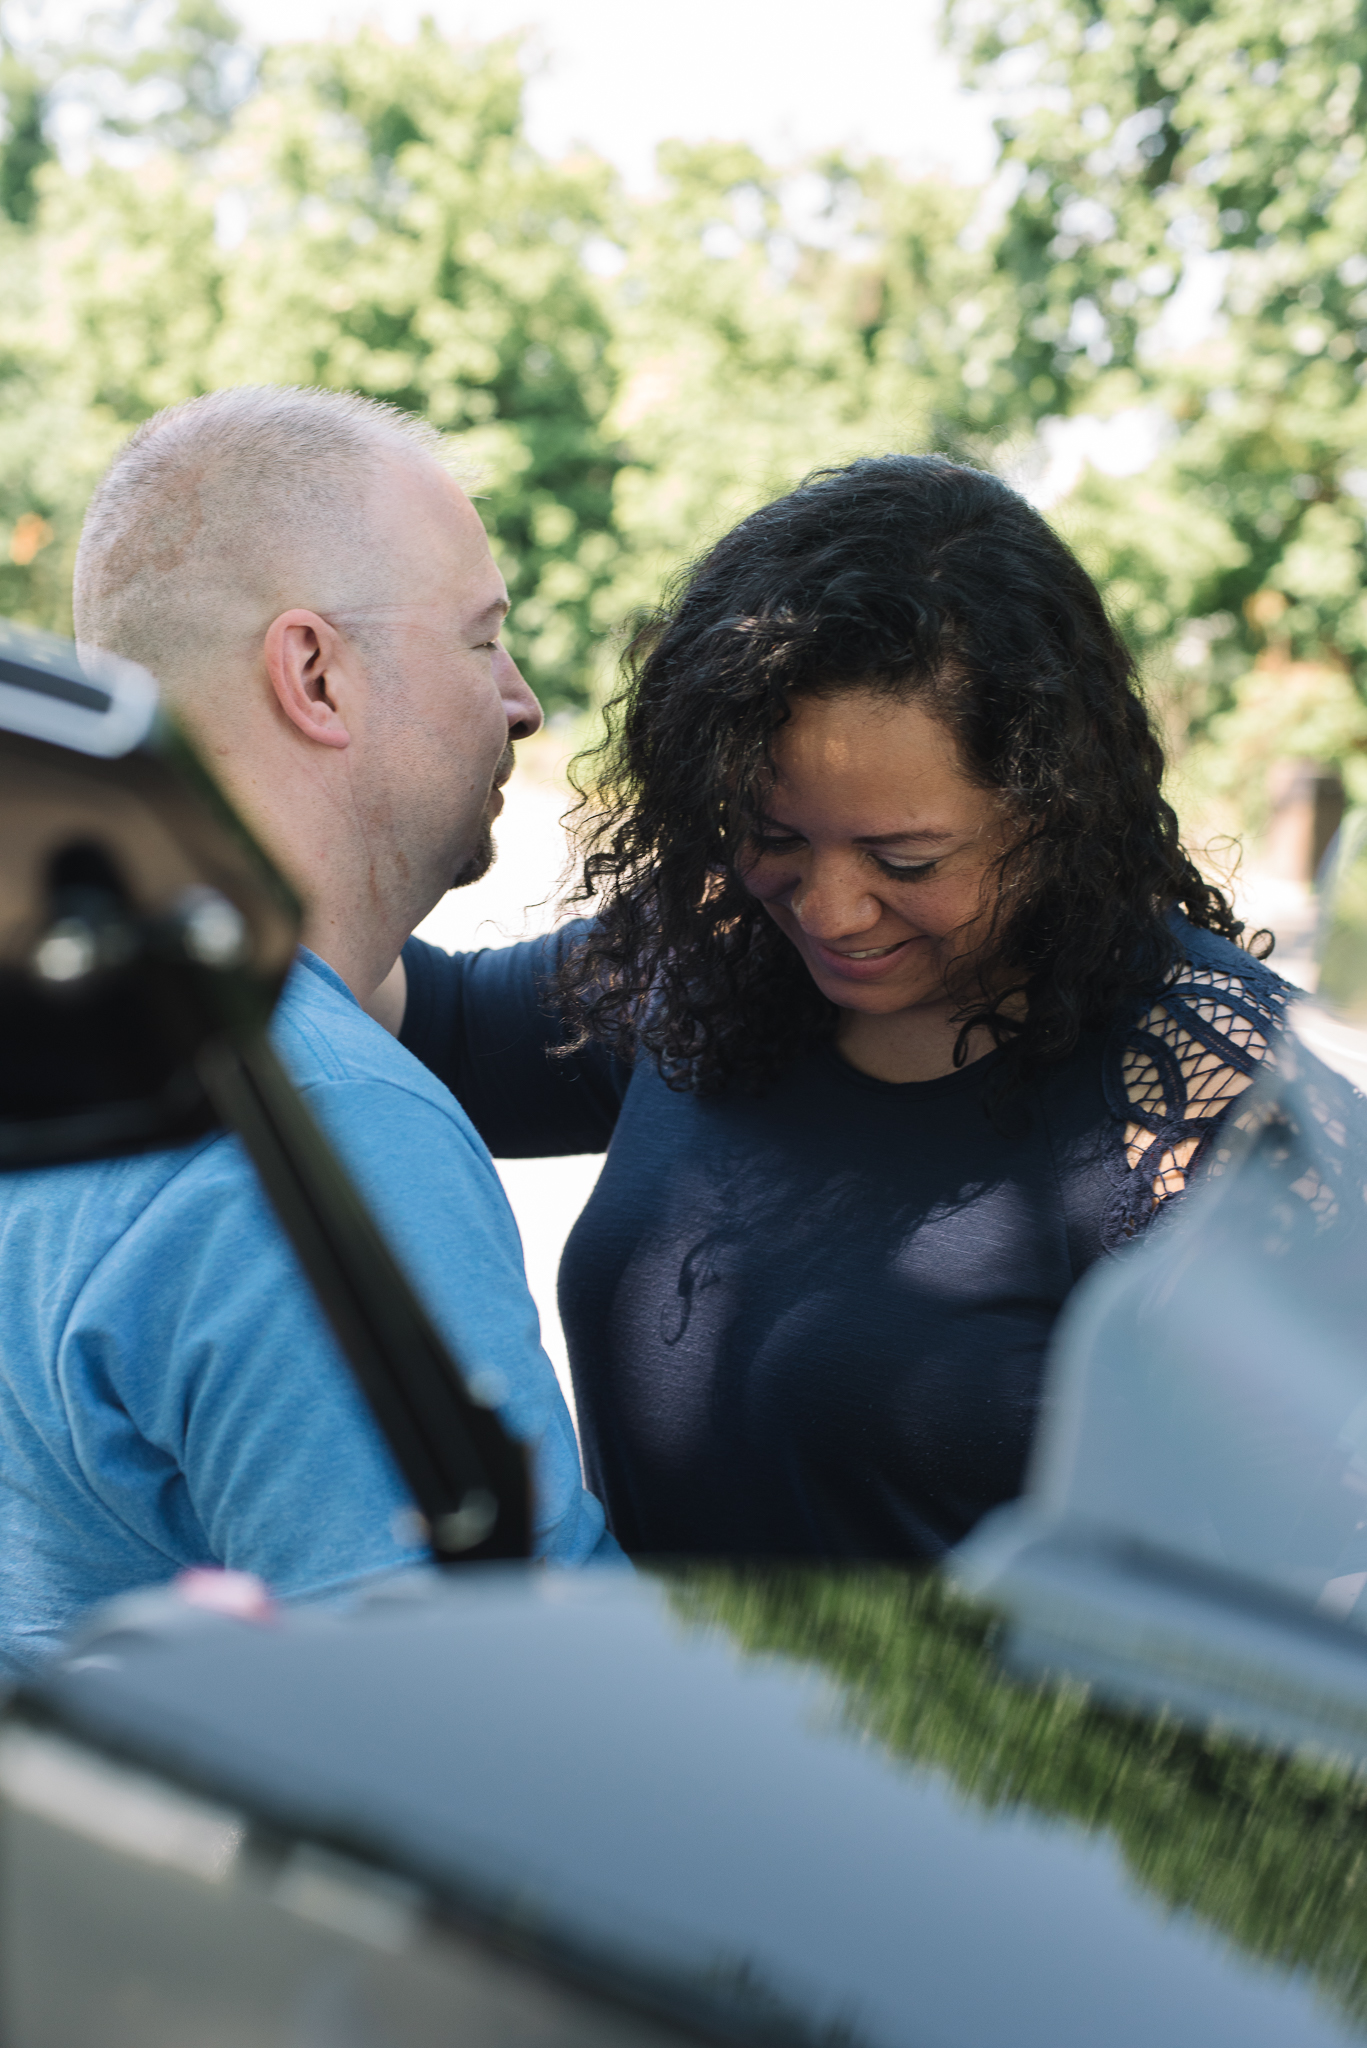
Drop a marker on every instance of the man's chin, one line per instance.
(480, 861)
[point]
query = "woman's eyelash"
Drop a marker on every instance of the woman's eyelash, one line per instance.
(903, 870)
(780, 842)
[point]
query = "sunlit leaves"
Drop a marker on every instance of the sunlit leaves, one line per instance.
(1187, 227)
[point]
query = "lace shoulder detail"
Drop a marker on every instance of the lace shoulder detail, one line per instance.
(1175, 1067)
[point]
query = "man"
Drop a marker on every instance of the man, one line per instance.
(318, 602)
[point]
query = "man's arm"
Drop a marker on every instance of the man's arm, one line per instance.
(435, 1194)
(207, 1396)
(209, 1408)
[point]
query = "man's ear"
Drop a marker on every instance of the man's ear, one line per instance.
(303, 653)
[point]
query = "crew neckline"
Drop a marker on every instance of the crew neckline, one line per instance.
(957, 1078)
(305, 957)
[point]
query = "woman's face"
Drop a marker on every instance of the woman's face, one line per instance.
(875, 850)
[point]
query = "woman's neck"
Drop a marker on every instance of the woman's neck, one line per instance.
(908, 1045)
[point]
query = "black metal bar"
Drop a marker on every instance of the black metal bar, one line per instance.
(469, 1478)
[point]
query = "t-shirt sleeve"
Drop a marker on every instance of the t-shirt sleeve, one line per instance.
(209, 1407)
(486, 1024)
(460, 1247)
(206, 1391)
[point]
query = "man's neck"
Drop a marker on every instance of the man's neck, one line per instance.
(361, 901)
(362, 958)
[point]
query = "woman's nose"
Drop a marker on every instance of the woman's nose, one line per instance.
(833, 901)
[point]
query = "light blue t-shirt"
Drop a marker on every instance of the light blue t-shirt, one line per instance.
(170, 1394)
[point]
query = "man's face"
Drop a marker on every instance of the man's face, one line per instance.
(446, 700)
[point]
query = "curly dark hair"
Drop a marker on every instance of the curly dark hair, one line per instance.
(916, 577)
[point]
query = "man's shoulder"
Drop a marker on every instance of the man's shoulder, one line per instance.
(399, 1131)
(76, 1218)
(328, 1041)
(72, 1215)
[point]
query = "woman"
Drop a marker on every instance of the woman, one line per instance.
(901, 1006)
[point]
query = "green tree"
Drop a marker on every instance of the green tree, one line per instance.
(1164, 151)
(112, 300)
(371, 218)
(398, 236)
(142, 74)
(25, 147)
(766, 323)
(179, 87)
(630, 377)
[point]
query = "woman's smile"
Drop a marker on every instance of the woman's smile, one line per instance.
(875, 858)
(864, 963)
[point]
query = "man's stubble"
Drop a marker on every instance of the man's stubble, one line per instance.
(481, 859)
(484, 852)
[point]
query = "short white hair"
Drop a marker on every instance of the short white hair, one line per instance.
(223, 511)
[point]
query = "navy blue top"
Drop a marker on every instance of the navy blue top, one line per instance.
(813, 1322)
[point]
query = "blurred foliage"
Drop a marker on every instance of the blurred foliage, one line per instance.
(1267, 1849)
(1280, 709)
(1185, 216)
(370, 217)
(173, 78)
(26, 147)
(401, 239)
(1172, 248)
(766, 326)
(1343, 956)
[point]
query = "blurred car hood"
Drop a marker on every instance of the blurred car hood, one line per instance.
(783, 1804)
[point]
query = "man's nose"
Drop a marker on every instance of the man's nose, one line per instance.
(833, 901)
(523, 713)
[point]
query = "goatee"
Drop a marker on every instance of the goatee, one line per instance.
(480, 861)
(485, 853)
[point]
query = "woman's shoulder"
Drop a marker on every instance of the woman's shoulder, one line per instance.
(1208, 954)
(1178, 1057)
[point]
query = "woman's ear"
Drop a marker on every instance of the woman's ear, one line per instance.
(302, 653)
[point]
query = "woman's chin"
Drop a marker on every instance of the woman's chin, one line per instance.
(876, 998)
(876, 986)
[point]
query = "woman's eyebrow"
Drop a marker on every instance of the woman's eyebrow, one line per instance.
(925, 835)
